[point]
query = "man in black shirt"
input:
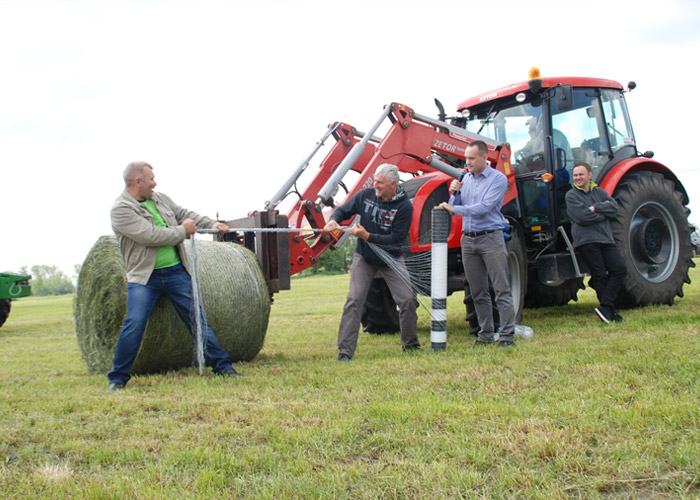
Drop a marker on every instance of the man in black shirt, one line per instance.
(591, 209)
(385, 220)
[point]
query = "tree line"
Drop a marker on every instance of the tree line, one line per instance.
(49, 280)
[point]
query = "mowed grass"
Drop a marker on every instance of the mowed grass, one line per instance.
(581, 410)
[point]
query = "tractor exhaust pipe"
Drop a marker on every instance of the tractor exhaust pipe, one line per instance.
(442, 116)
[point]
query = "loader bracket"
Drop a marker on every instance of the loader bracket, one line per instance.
(270, 248)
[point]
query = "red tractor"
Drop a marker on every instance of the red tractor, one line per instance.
(536, 130)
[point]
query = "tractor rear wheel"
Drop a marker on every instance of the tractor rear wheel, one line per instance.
(653, 235)
(380, 314)
(4, 310)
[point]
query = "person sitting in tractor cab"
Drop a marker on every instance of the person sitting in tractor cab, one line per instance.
(532, 154)
(531, 159)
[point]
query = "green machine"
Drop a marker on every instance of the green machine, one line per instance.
(12, 286)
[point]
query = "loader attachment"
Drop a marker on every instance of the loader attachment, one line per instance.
(271, 248)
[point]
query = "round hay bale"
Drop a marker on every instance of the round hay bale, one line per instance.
(234, 295)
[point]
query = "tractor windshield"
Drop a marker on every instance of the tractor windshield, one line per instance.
(516, 125)
(521, 125)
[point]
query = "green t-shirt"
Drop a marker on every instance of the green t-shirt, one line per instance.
(167, 255)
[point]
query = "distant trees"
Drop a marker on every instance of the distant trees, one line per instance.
(49, 280)
(336, 261)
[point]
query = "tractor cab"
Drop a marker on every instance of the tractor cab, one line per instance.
(552, 124)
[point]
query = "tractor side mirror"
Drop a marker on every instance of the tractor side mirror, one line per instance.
(564, 97)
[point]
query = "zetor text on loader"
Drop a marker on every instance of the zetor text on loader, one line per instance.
(536, 131)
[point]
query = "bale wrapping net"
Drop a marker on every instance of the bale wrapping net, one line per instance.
(234, 295)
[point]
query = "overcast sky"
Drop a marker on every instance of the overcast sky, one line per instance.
(224, 98)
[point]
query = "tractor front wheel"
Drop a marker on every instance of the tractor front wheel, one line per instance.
(517, 268)
(4, 310)
(380, 314)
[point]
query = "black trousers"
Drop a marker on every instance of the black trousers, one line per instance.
(607, 269)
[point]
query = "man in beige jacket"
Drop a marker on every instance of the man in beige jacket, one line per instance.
(151, 230)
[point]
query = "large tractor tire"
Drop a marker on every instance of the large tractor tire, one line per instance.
(4, 310)
(517, 270)
(380, 314)
(542, 295)
(653, 235)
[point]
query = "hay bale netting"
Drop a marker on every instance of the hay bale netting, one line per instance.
(234, 294)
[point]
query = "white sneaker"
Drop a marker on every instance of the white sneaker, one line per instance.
(602, 316)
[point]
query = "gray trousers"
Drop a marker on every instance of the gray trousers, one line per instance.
(361, 275)
(486, 257)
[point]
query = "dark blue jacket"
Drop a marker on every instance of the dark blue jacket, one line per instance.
(387, 222)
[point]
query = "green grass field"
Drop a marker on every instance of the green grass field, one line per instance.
(581, 410)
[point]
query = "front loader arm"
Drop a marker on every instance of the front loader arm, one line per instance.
(416, 144)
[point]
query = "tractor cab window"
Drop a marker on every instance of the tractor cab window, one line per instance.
(582, 128)
(617, 120)
(593, 130)
(521, 125)
(596, 127)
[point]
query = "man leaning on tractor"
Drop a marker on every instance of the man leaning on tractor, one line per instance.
(591, 209)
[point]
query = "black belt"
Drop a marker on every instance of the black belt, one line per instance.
(474, 234)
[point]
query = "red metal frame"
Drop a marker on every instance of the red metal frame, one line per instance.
(639, 164)
(410, 144)
(416, 144)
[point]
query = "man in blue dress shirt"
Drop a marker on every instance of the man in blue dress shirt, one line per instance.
(478, 199)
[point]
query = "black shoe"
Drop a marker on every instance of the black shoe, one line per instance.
(483, 342)
(506, 343)
(602, 315)
(616, 317)
(230, 372)
(115, 386)
(411, 348)
(343, 357)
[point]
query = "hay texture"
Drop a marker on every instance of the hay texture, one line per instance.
(234, 295)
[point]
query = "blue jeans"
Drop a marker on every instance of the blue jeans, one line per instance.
(176, 284)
